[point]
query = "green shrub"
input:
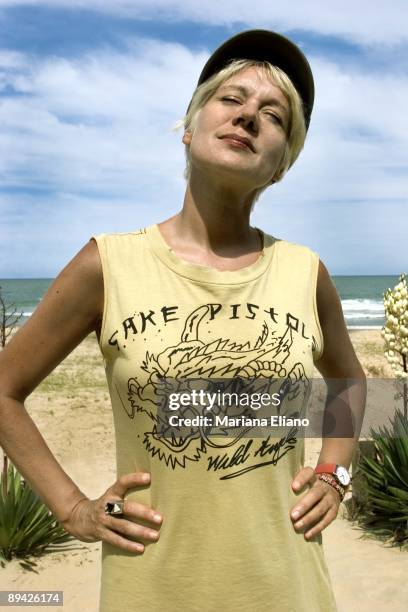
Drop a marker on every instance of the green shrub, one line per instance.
(27, 527)
(384, 514)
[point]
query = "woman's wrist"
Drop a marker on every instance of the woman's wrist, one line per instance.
(329, 478)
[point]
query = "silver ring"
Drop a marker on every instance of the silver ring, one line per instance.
(115, 508)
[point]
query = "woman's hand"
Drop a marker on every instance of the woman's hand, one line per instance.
(88, 521)
(318, 507)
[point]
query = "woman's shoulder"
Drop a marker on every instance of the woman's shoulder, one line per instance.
(113, 246)
(120, 236)
(289, 246)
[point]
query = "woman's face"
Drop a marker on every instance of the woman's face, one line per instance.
(249, 106)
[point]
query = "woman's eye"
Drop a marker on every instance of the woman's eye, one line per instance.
(275, 118)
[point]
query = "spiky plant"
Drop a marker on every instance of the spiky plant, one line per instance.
(384, 514)
(27, 527)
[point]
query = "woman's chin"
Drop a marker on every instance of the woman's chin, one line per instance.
(227, 170)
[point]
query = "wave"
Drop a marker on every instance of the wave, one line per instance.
(362, 315)
(364, 326)
(363, 304)
(353, 309)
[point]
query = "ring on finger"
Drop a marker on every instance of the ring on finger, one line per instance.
(115, 507)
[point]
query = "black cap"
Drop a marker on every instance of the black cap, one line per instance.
(264, 45)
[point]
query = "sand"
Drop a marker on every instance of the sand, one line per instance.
(74, 400)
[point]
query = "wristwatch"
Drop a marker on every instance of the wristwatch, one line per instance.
(339, 472)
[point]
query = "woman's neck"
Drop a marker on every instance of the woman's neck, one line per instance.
(215, 215)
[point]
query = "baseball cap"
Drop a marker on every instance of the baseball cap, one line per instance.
(265, 45)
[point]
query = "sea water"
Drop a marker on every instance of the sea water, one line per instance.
(361, 297)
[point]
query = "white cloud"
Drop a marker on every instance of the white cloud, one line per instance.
(11, 59)
(102, 120)
(95, 132)
(362, 22)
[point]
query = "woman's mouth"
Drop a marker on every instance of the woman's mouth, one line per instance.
(238, 142)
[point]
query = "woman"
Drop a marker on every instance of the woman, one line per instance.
(195, 521)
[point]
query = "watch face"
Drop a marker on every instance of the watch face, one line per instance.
(343, 475)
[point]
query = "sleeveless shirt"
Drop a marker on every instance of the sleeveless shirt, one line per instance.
(227, 540)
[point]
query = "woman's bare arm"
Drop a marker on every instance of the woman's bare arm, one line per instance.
(341, 369)
(339, 359)
(71, 309)
(346, 382)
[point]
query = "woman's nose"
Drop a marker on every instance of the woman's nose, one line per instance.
(247, 116)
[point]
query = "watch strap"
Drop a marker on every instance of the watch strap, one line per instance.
(332, 469)
(325, 468)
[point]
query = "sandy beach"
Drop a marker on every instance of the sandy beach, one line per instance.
(74, 401)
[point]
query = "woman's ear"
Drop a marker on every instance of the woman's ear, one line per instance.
(186, 138)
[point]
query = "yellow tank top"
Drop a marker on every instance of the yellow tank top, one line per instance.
(227, 541)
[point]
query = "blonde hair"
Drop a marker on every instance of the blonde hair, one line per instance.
(296, 130)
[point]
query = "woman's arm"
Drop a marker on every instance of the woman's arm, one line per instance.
(339, 359)
(347, 388)
(342, 372)
(70, 310)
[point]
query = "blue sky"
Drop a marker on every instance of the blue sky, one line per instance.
(90, 91)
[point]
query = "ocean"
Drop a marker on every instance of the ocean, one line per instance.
(361, 297)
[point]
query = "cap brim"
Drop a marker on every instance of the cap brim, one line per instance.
(264, 45)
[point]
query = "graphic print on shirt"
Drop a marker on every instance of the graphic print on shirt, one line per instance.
(194, 358)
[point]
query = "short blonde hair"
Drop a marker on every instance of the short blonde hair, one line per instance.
(296, 130)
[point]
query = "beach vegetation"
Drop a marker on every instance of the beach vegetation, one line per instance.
(27, 526)
(382, 511)
(395, 331)
(9, 318)
(70, 383)
(381, 507)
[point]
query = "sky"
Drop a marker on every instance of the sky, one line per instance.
(90, 91)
